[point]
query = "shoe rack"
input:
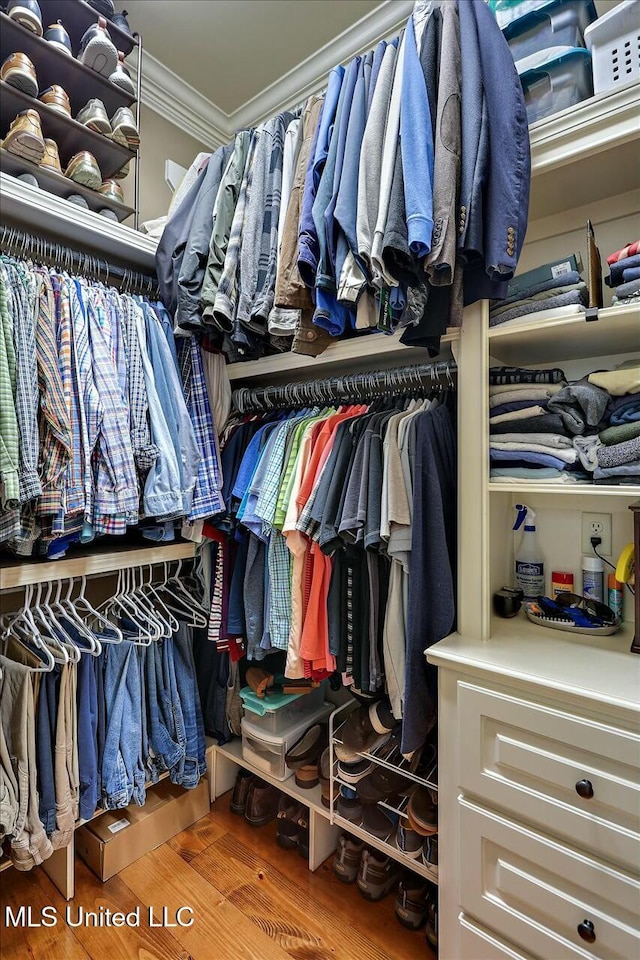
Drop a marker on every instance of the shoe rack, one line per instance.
(81, 84)
(357, 829)
(325, 824)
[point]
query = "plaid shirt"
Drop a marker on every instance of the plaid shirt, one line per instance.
(116, 482)
(9, 442)
(55, 430)
(226, 301)
(207, 499)
(144, 451)
(23, 291)
(90, 407)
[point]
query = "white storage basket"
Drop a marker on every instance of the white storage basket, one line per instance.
(614, 42)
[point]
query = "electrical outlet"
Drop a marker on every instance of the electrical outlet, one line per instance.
(596, 525)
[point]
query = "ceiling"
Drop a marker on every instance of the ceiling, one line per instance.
(231, 50)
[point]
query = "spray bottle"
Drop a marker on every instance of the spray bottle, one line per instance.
(529, 564)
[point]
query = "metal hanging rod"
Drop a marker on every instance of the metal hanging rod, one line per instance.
(26, 245)
(357, 386)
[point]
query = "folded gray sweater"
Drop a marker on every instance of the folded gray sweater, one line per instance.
(534, 306)
(619, 453)
(580, 405)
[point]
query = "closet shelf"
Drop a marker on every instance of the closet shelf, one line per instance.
(617, 330)
(69, 135)
(385, 846)
(54, 66)
(568, 489)
(344, 356)
(59, 185)
(54, 217)
(96, 563)
(310, 798)
(77, 15)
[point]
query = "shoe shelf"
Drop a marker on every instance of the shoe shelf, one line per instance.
(70, 136)
(53, 66)
(386, 846)
(77, 16)
(431, 779)
(59, 185)
(553, 339)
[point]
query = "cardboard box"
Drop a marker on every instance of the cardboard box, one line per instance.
(116, 838)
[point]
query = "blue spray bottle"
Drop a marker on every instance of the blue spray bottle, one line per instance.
(529, 563)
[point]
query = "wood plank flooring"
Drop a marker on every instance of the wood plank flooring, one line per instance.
(252, 901)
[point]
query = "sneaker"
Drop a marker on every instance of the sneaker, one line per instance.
(353, 772)
(431, 930)
(346, 859)
(83, 168)
(109, 214)
(123, 172)
(408, 841)
(349, 809)
(112, 190)
(56, 98)
(368, 727)
(119, 19)
(57, 36)
(125, 131)
(422, 812)
(29, 178)
(412, 901)
(121, 76)
(24, 138)
(27, 13)
(18, 71)
(96, 49)
(78, 201)
(51, 159)
(377, 875)
(430, 854)
(94, 116)
(105, 7)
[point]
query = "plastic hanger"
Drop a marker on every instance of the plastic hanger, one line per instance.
(70, 615)
(109, 633)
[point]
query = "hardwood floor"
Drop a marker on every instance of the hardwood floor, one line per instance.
(252, 900)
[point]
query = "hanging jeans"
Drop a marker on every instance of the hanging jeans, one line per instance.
(87, 732)
(194, 765)
(122, 774)
(165, 750)
(45, 738)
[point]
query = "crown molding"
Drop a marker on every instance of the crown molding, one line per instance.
(166, 93)
(309, 76)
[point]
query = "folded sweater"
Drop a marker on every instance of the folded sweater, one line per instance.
(568, 456)
(629, 250)
(617, 269)
(532, 393)
(525, 458)
(580, 405)
(619, 453)
(546, 439)
(626, 431)
(618, 382)
(557, 283)
(543, 423)
(523, 388)
(580, 297)
(516, 405)
(630, 289)
(525, 414)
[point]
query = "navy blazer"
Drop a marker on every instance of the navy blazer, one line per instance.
(496, 156)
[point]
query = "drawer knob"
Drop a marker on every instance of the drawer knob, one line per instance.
(584, 789)
(587, 931)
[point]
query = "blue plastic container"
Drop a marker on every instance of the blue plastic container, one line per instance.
(557, 83)
(557, 23)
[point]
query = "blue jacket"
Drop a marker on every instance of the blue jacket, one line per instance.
(496, 167)
(416, 145)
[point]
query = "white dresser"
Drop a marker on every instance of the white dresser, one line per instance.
(539, 803)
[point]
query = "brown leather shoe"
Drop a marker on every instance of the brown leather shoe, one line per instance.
(422, 812)
(83, 168)
(242, 786)
(56, 98)
(307, 750)
(262, 803)
(25, 137)
(51, 159)
(19, 71)
(259, 680)
(112, 190)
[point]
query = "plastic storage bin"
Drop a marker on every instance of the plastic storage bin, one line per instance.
(277, 712)
(557, 83)
(266, 752)
(557, 23)
(614, 42)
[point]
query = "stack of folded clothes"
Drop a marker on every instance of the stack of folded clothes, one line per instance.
(555, 286)
(618, 450)
(528, 440)
(624, 277)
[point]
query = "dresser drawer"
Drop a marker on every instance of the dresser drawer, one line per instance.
(478, 943)
(537, 892)
(535, 761)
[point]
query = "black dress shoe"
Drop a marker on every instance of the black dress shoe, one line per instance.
(262, 803)
(105, 7)
(240, 793)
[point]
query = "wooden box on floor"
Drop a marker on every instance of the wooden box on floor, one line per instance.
(118, 837)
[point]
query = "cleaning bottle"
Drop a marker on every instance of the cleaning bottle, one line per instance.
(529, 563)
